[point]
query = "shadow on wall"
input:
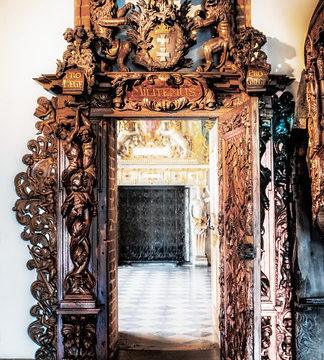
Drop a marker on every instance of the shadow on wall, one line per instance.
(278, 54)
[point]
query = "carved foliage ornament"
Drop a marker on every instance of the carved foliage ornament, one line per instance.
(79, 337)
(36, 210)
(162, 92)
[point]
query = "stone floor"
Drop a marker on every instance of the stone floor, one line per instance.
(163, 306)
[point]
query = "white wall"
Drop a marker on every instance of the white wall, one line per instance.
(285, 23)
(31, 41)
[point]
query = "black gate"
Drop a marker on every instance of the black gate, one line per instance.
(151, 223)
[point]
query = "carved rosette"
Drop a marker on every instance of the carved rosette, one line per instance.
(236, 229)
(36, 210)
(283, 108)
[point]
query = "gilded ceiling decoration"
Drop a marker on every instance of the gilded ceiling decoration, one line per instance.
(162, 141)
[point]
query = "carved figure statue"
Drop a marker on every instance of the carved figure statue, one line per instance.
(106, 19)
(199, 221)
(219, 16)
(46, 112)
(79, 207)
(78, 54)
(71, 148)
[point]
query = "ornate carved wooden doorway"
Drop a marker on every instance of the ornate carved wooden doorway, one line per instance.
(68, 194)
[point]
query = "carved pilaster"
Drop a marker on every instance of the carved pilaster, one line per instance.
(236, 231)
(79, 207)
(36, 210)
(283, 108)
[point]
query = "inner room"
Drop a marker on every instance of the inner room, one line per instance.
(166, 235)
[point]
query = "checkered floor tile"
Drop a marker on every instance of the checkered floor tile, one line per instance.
(162, 305)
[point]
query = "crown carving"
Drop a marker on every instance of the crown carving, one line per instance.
(162, 29)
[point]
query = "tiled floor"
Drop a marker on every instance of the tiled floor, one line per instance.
(165, 306)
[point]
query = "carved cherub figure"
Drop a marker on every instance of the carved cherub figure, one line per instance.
(106, 19)
(46, 112)
(218, 15)
(70, 146)
(79, 53)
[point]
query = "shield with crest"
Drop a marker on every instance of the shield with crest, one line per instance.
(162, 33)
(166, 45)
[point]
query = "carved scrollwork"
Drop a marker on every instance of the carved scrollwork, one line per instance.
(162, 34)
(162, 92)
(36, 210)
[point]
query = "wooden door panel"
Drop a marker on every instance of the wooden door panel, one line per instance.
(238, 179)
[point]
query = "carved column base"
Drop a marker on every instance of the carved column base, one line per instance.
(79, 321)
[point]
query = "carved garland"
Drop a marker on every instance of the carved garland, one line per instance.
(36, 210)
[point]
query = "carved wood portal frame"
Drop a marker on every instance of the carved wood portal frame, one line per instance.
(68, 194)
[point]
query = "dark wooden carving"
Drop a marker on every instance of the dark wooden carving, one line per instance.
(266, 332)
(236, 230)
(162, 92)
(238, 52)
(219, 15)
(36, 210)
(162, 34)
(79, 206)
(314, 63)
(79, 337)
(106, 20)
(79, 54)
(283, 108)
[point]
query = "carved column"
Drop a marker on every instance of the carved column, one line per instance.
(277, 240)
(77, 179)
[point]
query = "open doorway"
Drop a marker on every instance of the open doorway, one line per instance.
(167, 243)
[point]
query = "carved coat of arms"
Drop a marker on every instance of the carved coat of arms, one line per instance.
(162, 34)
